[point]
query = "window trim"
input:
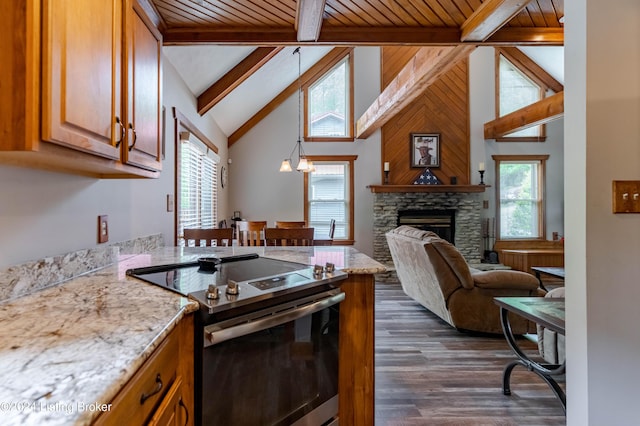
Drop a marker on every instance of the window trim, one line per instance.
(334, 158)
(543, 89)
(182, 123)
(350, 108)
(542, 183)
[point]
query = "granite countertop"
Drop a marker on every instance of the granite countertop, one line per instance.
(78, 343)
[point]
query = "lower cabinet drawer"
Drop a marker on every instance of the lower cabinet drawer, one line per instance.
(172, 410)
(141, 396)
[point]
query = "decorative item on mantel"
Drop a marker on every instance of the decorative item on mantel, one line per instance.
(386, 173)
(481, 171)
(426, 177)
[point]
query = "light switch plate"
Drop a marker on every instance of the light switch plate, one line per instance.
(626, 196)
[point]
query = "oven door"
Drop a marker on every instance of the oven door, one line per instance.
(274, 367)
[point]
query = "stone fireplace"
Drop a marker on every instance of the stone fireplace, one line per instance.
(464, 203)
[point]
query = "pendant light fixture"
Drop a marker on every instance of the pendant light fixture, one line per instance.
(303, 165)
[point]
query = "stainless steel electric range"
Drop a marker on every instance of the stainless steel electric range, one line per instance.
(266, 338)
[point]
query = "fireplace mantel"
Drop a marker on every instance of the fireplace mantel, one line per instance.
(427, 188)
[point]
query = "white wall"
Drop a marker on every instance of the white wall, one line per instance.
(482, 100)
(46, 213)
(602, 106)
(270, 195)
(177, 94)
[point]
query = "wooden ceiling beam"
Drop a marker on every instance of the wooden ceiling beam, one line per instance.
(489, 18)
(309, 14)
(422, 70)
(544, 111)
(358, 36)
(319, 68)
(232, 79)
(516, 36)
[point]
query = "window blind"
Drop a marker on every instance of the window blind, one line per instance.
(198, 202)
(329, 198)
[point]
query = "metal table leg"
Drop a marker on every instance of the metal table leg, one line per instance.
(545, 371)
(540, 281)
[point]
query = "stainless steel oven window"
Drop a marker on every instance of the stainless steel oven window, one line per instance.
(275, 371)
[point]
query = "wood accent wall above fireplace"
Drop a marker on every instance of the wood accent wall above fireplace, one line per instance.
(443, 108)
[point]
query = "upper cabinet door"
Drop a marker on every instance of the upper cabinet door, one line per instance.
(143, 91)
(81, 84)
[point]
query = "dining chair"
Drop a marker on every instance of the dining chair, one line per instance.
(250, 233)
(291, 224)
(212, 237)
(329, 240)
(332, 228)
(289, 236)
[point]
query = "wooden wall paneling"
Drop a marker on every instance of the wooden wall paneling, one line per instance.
(443, 108)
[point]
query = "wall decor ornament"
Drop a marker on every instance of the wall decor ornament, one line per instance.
(425, 150)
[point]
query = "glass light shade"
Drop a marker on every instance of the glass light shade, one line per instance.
(286, 166)
(310, 167)
(303, 165)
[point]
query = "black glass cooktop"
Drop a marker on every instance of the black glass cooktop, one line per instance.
(262, 273)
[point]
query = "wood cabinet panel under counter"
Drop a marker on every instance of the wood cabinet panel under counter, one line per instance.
(162, 388)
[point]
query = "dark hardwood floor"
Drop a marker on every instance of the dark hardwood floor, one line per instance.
(428, 373)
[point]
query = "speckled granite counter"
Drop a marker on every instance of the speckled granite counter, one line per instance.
(67, 347)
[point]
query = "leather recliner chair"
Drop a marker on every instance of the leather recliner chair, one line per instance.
(435, 274)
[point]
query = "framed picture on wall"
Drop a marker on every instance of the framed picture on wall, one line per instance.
(425, 150)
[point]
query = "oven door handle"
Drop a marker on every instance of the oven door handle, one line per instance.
(213, 334)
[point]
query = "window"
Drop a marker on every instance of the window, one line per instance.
(517, 89)
(196, 179)
(520, 192)
(328, 194)
(329, 104)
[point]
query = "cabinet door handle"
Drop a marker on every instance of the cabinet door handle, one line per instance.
(122, 130)
(135, 136)
(186, 411)
(157, 389)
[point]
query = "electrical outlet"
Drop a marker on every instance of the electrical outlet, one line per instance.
(103, 228)
(485, 204)
(169, 202)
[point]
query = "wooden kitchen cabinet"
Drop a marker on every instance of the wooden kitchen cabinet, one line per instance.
(143, 89)
(161, 391)
(84, 88)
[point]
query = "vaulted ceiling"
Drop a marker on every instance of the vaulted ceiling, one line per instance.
(212, 27)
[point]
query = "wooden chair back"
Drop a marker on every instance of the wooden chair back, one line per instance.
(289, 237)
(291, 224)
(212, 237)
(332, 228)
(250, 233)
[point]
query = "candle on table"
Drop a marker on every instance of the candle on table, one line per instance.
(386, 166)
(481, 167)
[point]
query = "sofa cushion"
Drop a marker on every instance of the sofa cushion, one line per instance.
(454, 259)
(504, 279)
(411, 232)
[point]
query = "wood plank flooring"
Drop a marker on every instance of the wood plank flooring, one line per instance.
(428, 373)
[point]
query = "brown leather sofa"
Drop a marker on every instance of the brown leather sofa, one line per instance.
(435, 274)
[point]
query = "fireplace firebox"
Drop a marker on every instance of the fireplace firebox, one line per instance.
(441, 221)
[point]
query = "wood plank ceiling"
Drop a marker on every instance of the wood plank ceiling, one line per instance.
(419, 22)
(437, 23)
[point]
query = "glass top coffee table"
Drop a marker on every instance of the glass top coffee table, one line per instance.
(549, 313)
